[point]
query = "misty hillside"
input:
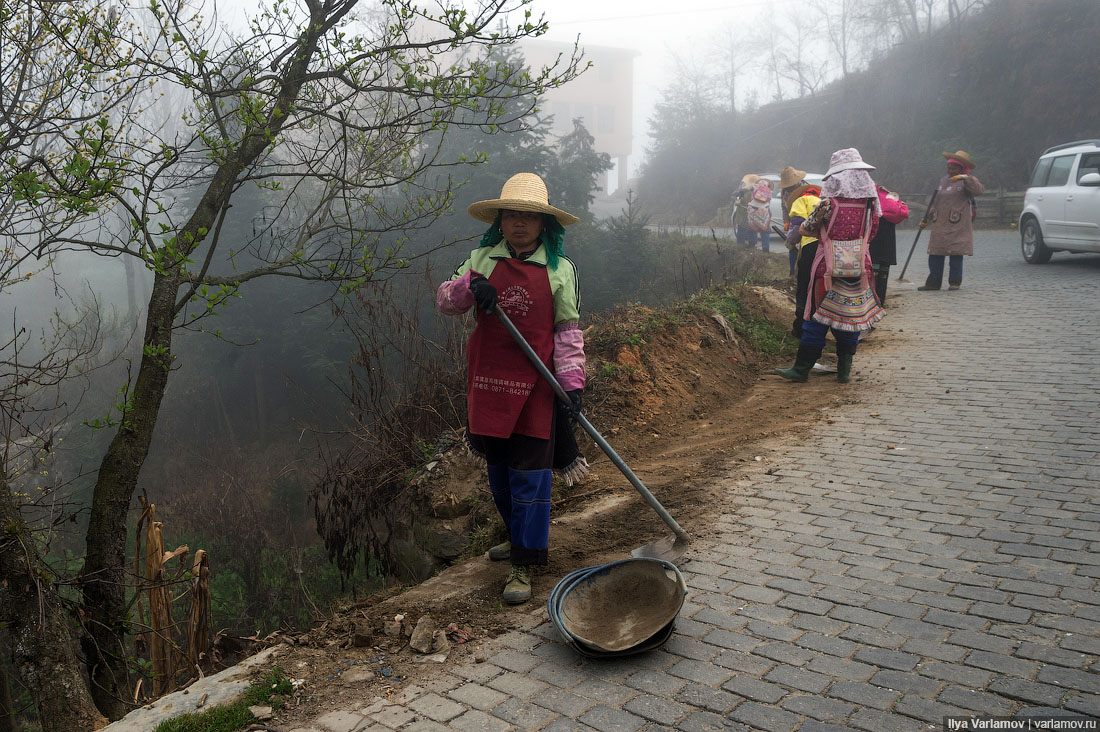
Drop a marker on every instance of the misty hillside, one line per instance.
(1003, 83)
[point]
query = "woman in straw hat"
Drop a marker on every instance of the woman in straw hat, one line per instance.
(952, 217)
(519, 268)
(841, 297)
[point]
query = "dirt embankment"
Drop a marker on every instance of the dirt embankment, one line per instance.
(683, 398)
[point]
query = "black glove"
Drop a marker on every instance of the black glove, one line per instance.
(485, 295)
(574, 402)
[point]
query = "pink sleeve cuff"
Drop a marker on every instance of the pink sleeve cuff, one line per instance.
(569, 357)
(454, 297)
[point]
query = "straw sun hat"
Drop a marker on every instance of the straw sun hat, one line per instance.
(521, 192)
(962, 157)
(790, 175)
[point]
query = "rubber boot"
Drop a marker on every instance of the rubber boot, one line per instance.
(844, 367)
(954, 284)
(932, 283)
(803, 362)
(518, 587)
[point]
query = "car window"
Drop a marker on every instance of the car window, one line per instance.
(1039, 177)
(1089, 164)
(1059, 170)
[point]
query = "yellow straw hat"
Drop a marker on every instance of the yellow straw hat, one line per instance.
(521, 192)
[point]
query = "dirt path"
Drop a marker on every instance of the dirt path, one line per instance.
(695, 407)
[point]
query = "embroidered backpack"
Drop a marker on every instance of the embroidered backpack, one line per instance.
(759, 215)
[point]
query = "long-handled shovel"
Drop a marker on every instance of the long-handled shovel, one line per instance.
(920, 230)
(670, 548)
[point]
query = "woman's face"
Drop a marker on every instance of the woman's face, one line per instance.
(954, 169)
(521, 229)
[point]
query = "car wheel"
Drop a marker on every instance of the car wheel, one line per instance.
(1031, 243)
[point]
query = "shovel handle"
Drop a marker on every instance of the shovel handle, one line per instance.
(681, 535)
(920, 230)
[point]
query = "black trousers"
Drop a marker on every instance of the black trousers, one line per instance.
(805, 269)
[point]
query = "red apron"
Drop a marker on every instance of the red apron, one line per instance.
(504, 393)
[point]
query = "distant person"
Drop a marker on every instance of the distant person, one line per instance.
(520, 268)
(952, 215)
(790, 182)
(759, 216)
(742, 198)
(884, 245)
(804, 199)
(841, 297)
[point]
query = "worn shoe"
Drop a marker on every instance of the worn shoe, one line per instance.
(954, 284)
(518, 587)
(501, 551)
(931, 284)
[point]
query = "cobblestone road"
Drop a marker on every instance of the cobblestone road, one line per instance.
(865, 586)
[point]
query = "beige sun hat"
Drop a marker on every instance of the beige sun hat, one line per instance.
(962, 156)
(749, 179)
(846, 159)
(521, 192)
(790, 176)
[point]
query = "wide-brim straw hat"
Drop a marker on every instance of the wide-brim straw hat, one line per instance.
(521, 192)
(846, 159)
(750, 179)
(962, 156)
(790, 176)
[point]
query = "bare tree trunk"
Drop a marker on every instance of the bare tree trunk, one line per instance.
(42, 646)
(105, 577)
(7, 705)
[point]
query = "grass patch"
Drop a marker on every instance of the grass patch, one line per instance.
(764, 336)
(271, 690)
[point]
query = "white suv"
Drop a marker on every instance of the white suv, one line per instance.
(1062, 203)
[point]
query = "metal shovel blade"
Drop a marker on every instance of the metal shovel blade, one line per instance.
(669, 548)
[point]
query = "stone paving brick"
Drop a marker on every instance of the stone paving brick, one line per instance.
(393, 716)
(702, 696)
(720, 619)
(1004, 664)
(1028, 691)
(917, 629)
(1056, 656)
(607, 719)
(704, 722)
(873, 637)
(827, 644)
(563, 702)
(982, 642)
(887, 659)
(603, 691)
(657, 709)
(775, 632)
(819, 708)
(653, 682)
(436, 708)
(516, 685)
(744, 663)
(798, 678)
(1085, 704)
(927, 710)
(755, 689)
(523, 714)
(759, 716)
(907, 683)
(787, 653)
(558, 675)
(864, 695)
(478, 721)
(341, 722)
(841, 669)
(477, 696)
(731, 641)
(978, 701)
(513, 660)
(818, 624)
(704, 673)
(424, 725)
(1086, 681)
(874, 721)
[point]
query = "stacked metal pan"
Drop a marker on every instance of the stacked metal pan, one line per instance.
(618, 609)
